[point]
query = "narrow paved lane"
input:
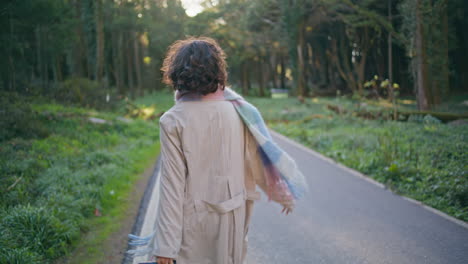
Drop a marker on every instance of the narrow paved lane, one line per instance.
(346, 219)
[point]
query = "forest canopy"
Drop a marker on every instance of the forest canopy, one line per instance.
(311, 47)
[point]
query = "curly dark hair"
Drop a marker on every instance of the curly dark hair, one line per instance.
(195, 65)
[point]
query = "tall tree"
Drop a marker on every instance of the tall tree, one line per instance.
(425, 24)
(99, 21)
(421, 60)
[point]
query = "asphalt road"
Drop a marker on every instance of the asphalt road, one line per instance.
(344, 219)
(347, 219)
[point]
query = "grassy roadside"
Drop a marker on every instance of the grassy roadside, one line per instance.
(67, 180)
(94, 247)
(423, 158)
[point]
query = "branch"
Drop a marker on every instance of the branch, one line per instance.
(378, 19)
(13, 185)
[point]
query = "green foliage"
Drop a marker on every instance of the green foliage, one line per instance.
(321, 46)
(437, 38)
(18, 256)
(18, 118)
(37, 230)
(53, 184)
(84, 92)
(422, 158)
(159, 101)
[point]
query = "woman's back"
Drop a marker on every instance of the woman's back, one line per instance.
(212, 136)
(208, 139)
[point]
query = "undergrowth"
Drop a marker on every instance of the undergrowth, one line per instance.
(58, 170)
(423, 158)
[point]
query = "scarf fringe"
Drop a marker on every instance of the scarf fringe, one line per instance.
(140, 241)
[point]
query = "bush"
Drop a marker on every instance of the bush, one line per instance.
(17, 119)
(86, 93)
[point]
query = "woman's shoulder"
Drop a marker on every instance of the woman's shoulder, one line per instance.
(185, 113)
(170, 117)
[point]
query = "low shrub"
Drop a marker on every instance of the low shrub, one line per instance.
(84, 92)
(18, 119)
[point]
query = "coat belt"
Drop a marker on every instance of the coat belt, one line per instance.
(224, 206)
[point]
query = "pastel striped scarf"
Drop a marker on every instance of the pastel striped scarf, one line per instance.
(283, 179)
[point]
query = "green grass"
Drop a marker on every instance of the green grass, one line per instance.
(91, 248)
(57, 169)
(160, 101)
(423, 159)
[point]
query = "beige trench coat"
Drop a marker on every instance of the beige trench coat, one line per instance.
(210, 167)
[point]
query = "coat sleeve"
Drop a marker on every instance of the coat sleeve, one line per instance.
(255, 170)
(169, 219)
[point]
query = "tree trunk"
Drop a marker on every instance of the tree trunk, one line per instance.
(99, 40)
(445, 50)
(340, 58)
(330, 74)
(312, 73)
(390, 64)
(114, 65)
(273, 73)
(245, 77)
(40, 64)
(421, 70)
(137, 64)
(249, 83)
(78, 52)
(261, 78)
(11, 60)
(45, 61)
(300, 61)
(361, 65)
(130, 67)
(57, 69)
(283, 72)
(389, 43)
(361, 69)
(120, 67)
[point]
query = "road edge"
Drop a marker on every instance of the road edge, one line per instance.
(368, 179)
(143, 208)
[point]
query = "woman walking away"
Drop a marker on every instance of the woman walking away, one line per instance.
(215, 149)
